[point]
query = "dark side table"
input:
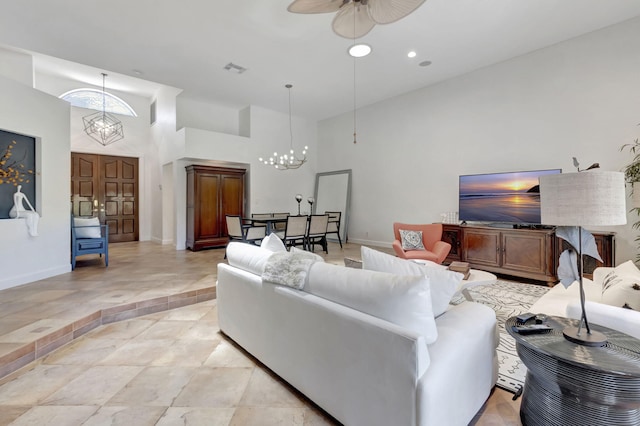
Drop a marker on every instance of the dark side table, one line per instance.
(571, 384)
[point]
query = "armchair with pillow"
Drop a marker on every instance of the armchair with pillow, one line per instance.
(420, 242)
(88, 236)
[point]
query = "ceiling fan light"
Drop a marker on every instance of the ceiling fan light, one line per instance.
(359, 50)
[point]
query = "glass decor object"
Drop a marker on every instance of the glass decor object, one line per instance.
(298, 199)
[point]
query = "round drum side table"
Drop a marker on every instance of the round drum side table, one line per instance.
(571, 384)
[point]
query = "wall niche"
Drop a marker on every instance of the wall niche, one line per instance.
(17, 167)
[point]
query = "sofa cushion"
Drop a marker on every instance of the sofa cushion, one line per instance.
(621, 286)
(248, 257)
(624, 320)
(87, 227)
(273, 243)
(443, 283)
(411, 240)
(402, 300)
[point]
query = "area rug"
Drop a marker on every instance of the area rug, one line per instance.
(508, 299)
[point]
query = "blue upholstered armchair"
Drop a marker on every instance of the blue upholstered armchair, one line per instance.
(87, 237)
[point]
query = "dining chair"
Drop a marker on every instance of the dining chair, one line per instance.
(295, 231)
(244, 233)
(334, 224)
(317, 232)
(280, 226)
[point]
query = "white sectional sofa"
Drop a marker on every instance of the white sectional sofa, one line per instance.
(364, 345)
(611, 299)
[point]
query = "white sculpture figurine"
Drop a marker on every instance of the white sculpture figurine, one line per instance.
(18, 210)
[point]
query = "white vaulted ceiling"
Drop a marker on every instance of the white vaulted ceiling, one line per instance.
(186, 44)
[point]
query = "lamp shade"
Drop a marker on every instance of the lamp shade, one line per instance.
(589, 198)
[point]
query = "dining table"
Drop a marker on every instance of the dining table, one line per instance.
(269, 222)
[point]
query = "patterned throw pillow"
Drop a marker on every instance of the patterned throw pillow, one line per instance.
(411, 240)
(621, 287)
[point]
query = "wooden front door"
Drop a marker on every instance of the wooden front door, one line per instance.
(107, 187)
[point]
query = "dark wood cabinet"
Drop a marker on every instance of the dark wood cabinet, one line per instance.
(526, 253)
(212, 193)
(523, 253)
(452, 234)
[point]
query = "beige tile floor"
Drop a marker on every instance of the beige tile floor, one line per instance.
(104, 362)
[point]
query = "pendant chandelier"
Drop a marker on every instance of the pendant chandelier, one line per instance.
(291, 160)
(103, 126)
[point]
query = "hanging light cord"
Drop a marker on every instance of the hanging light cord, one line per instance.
(104, 103)
(354, 77)
(290, 125)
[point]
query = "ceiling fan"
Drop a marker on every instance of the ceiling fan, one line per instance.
(355, 18)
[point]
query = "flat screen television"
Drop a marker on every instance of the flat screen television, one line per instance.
(509, 197)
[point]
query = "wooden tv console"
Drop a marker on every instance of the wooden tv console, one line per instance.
(519, 252)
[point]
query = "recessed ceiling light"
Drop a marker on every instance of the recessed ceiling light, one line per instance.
(359, 50)
(412, 54)
(425, 63)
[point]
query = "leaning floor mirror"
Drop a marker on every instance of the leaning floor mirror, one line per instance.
(333, 193)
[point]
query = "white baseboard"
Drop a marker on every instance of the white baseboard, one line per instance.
(34, 276)
(384, 244)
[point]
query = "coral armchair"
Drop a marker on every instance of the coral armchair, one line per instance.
(435, 249)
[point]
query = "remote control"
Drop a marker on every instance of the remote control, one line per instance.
(525, 317)
(531, 328)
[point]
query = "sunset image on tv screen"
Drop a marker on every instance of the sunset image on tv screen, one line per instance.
(512, 197)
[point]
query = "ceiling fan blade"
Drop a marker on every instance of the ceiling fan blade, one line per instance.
(315, 6)
(388, 11)
(352, 21)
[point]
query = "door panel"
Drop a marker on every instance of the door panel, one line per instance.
(482, 247)
(208, 188)
(106, 187)
(120, 193)
(84, 184)
(232, 198)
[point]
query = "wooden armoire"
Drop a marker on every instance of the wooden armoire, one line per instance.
(212, 193)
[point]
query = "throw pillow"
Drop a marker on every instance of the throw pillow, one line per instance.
(248, 257)
(273, 243)
(621, 287)
(411, 240)
(402, 300)
(87, 227)
(443, 283)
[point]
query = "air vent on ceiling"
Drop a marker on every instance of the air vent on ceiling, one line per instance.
(235, 68)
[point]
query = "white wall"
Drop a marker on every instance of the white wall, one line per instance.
(206, 116)
(578, 98)
(23, 258)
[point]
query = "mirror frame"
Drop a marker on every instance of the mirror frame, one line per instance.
(344, 220)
